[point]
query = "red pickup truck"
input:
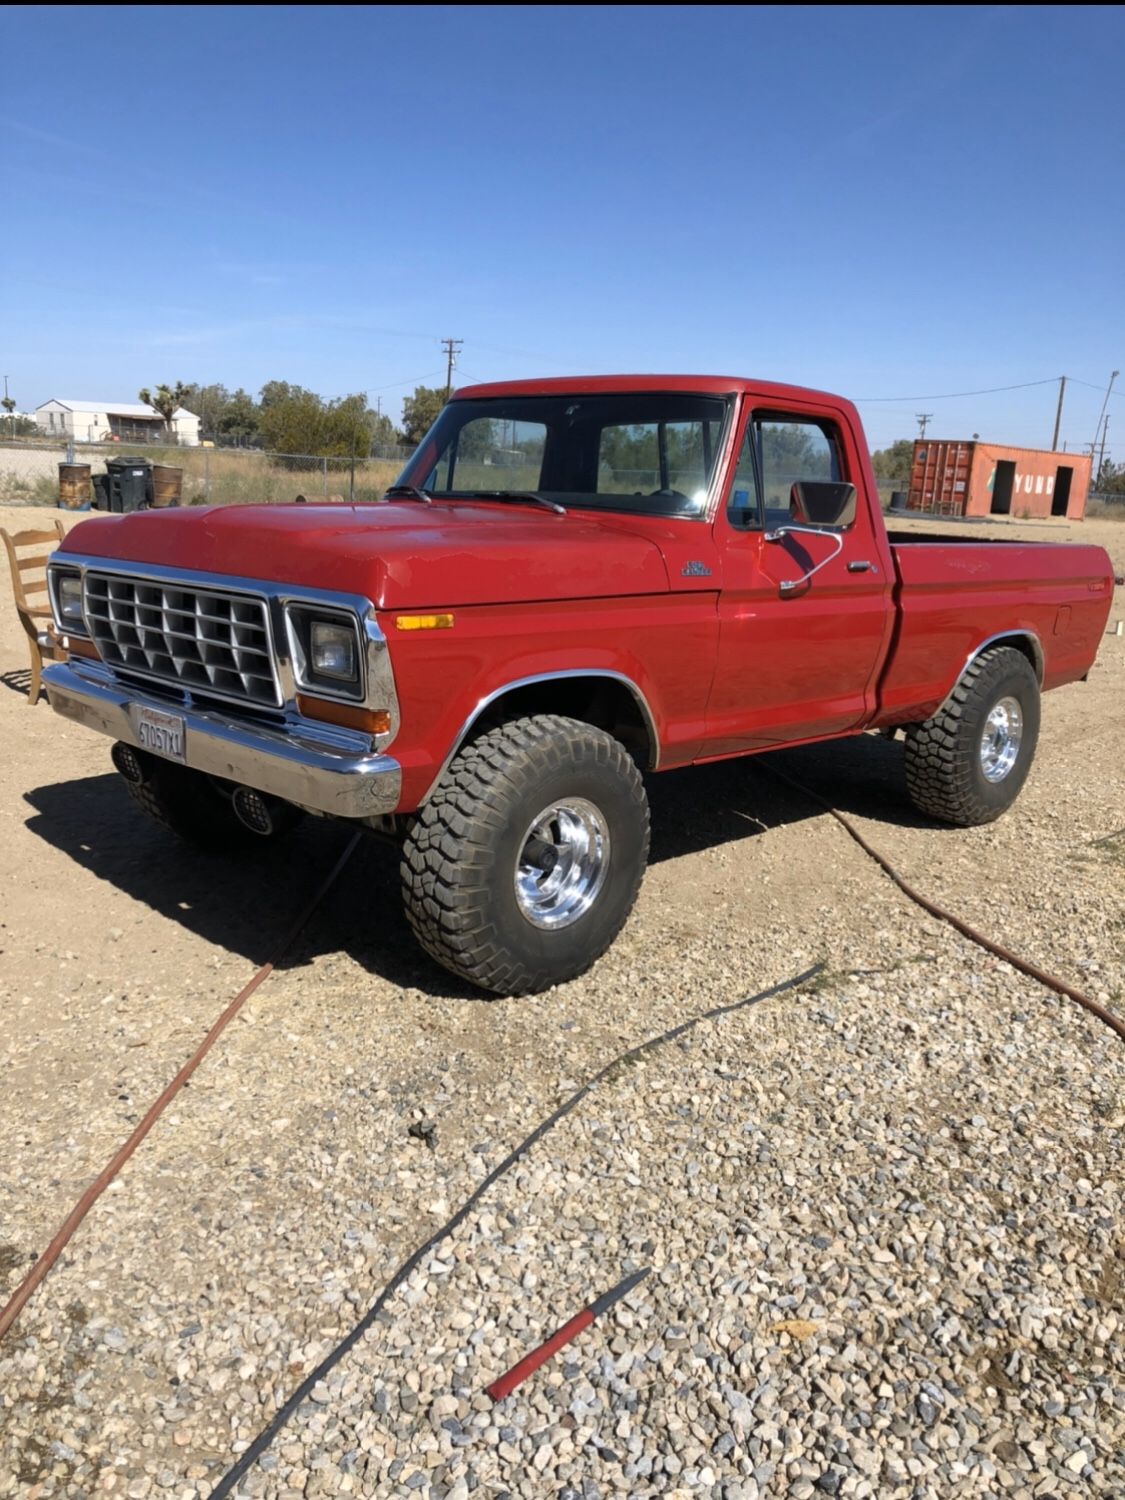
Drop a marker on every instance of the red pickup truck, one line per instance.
(574, 583)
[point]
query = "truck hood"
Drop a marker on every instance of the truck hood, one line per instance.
(401, 555)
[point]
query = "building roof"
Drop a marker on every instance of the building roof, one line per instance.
(1060, 454)
(114, 408)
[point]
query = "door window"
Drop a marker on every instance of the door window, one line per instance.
(792, 449)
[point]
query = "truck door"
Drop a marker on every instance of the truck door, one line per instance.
(795, 662)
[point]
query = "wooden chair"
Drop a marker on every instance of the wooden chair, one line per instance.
(29, 579)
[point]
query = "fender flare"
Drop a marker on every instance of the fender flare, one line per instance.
(1000, 638)
(521, 682)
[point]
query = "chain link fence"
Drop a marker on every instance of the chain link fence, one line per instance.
(29, 473)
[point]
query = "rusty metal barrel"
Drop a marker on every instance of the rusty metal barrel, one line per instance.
(167, 485)
(75, 492)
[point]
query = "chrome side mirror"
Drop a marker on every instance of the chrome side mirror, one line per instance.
(781, 532)
(818, 502)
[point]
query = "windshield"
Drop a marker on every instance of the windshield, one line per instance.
(650, 454)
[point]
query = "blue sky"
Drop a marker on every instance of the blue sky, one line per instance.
(885, 202)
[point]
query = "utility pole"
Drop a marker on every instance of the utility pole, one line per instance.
(452, 348)
(9, 408)
(1101, 460)
(1058, 414)
(923, 418)
(1101, 414)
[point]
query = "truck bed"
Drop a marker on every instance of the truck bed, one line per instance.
(954, 592)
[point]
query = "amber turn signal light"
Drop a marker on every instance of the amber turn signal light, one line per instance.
(424, 622)
(78, 647)
(370, 720)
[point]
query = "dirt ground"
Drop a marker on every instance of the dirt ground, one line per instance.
(118, 948)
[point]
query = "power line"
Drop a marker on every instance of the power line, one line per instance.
(1090, 386)
(956, 395)
(395, 384)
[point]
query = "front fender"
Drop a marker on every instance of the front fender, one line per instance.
(662, 647)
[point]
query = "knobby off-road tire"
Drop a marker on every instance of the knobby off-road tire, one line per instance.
(545, 789)
(969, 762)
(186, 803)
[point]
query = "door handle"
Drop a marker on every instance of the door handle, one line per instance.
(862, 567)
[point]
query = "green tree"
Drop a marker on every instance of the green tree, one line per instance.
(302, 423)
(206, 401)
(292, 423)
(274, 392)
(382, 430)
(1111, 479)
(222, 414)
(13, 426)
(419, 412)
(239, 417)
(166, 401)
(892, 465)
(347, 427)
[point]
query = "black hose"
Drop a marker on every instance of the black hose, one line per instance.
(240, 1468)
(1025, 966)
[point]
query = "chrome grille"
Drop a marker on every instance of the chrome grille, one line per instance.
(198, 639)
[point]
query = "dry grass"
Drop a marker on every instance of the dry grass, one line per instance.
(215, 476)
(211, 476)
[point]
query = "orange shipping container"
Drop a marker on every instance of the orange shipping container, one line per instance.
(989, 479)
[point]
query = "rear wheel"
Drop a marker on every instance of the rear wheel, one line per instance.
(969, 762)
(524, 865)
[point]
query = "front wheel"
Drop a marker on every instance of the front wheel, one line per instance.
(969, 762)
(524, 865)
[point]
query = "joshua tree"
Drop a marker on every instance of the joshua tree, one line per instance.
(165, 401)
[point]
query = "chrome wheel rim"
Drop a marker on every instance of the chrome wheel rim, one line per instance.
(562, 863)
(1000, 741)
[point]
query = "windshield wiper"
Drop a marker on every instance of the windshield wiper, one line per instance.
(408, 492)
(524, 497)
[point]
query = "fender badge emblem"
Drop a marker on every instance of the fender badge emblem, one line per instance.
(695, 570)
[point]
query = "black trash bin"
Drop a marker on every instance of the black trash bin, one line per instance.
(898, 499)
(129, 483)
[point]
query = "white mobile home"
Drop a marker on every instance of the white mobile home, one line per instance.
(114, 421)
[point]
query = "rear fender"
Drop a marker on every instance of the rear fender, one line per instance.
(1024, 641)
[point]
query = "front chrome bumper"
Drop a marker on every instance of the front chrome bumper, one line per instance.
(320, 768)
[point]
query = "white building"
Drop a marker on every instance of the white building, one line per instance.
(114, 421)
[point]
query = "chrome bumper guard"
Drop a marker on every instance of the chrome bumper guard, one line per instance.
(320, 768)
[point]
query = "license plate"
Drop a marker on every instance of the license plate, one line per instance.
(161, 733)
